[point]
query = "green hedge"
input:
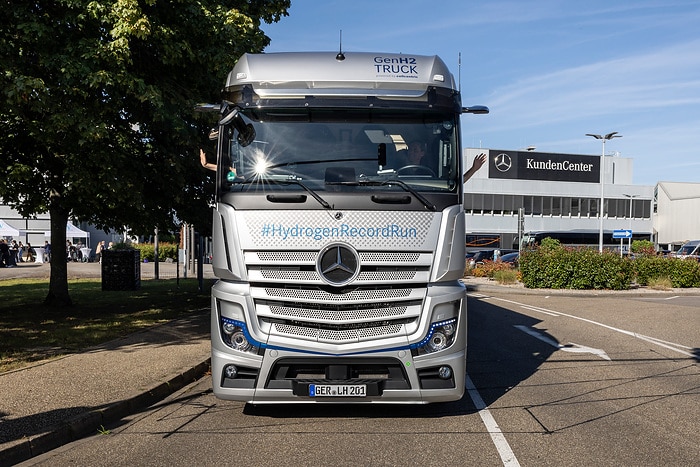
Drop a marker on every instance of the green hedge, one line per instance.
(165, 250)
(567, 268)
(681, 272)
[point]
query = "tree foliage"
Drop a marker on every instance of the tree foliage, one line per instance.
(98, 99)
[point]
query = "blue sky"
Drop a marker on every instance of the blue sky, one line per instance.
(549, 70)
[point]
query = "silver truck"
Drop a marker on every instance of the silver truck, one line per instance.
(338, 251)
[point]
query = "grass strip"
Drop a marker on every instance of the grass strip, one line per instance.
(31, 331)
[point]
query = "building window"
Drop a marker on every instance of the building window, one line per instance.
(497, 204)
(590, 207)
(477, 203)
(556, 206)
(575, 207)
(615, 207)
(508, 204)
(646, 208)
(517, 203)
(546, 205)
(566, 207)
(537, 205)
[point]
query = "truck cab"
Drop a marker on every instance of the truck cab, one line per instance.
(339, 259)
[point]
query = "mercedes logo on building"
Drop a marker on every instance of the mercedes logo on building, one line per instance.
(503, 162)
(338, 264)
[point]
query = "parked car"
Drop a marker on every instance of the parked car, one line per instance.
(478, 257)
(511, 258)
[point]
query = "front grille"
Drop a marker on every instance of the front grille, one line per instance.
(345, 314)
(316, 294)
(313, 276)
(292, 300)
(339, 335)
(309, 257)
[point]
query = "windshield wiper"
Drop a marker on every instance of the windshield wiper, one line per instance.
(291, 181)
(400, 183)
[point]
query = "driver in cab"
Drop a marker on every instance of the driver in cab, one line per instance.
(412, 160)
(416, 153)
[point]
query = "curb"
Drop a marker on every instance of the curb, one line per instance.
(90, 422)
(638, 292)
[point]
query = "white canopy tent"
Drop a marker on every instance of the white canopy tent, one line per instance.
(73, 232)
(6, 230)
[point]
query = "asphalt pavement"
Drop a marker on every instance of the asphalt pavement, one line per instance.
(54, 402)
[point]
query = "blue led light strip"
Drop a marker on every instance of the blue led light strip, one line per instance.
(263, 345)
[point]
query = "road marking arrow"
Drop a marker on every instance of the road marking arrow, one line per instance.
(572, 348)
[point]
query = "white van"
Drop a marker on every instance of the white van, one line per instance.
(690, 249)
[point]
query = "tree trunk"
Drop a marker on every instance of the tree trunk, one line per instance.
(58, 283)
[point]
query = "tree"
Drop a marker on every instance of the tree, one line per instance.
(98, 118)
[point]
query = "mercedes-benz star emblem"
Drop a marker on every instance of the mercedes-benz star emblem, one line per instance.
(503, 162)
(338, 264)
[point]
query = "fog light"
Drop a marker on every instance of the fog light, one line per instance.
(231, 371)
(445, 372)
(229, 328)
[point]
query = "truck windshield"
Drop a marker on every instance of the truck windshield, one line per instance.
(334, 149)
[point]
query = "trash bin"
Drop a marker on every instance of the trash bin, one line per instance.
(121, 270)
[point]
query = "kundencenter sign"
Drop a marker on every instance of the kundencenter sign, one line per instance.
(523, 165)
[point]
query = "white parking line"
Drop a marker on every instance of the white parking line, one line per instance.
(573, 348)
(540, 310)
(529, 307)
(652, 340)
(499, 440)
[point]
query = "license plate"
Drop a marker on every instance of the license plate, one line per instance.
(337, 390)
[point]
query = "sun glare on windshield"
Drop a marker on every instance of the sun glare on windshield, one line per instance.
(261, 166)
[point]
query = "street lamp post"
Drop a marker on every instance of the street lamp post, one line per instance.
(603, 138)
(630, 197)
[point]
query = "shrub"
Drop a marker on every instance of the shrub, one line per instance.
(550, 244)
(682, 273)
(644, 247)
(648, 268)
(557, 267)
(506, 276)
(165, 250)
(660, 283)
(490, 268)
(685, 272)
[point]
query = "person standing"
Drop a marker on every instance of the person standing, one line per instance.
(98, 251)
(31, 253)
(4, 253)
(20, 252)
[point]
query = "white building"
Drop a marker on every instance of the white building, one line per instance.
(559, 192)
(676, 213)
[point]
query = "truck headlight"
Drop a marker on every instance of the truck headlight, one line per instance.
(235, 335)
(440, 337)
